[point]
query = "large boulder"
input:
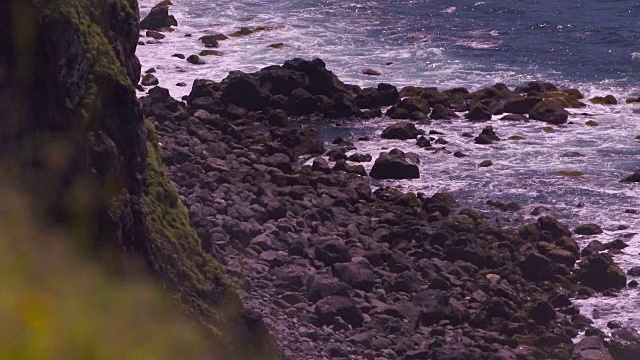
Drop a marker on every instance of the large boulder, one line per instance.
(331, 307)
(549, 111)
(600, 272)
(243, 90)
(158, 18)
(401, 130)
(521, 105)
(394, 165)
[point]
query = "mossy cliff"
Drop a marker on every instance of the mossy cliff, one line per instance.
(73, 136)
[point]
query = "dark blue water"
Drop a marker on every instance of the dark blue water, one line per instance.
(582, 41)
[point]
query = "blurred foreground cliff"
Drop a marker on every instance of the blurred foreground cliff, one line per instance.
(86, 198)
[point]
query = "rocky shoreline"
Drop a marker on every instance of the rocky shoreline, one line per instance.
(336, 269)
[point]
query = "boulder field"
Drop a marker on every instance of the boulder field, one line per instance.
(337, 265)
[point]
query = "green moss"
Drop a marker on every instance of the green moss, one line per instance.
(591, 123)
(516, 137)
(175, 250)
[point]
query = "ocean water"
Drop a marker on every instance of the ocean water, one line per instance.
(588, 44)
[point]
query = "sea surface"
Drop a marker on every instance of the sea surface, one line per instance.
(590, 45)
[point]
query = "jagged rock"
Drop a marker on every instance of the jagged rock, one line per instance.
(591, 348)
(158, 18)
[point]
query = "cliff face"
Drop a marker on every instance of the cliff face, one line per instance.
(74, 137)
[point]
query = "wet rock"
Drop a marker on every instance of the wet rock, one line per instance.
(635, 177)
(521, 105)
(388, 94)
(543, 312)
(394, 165)
(486, 163)
(549, 111)
(321, 165)
(244, 91)
(591, 348)
(594, 247)
(601, 273)
(536, 267)
(479, 112)
(634, 271)
(209, 41)
(278, 118)
(624, 344)
(338, 306)
(415, 104)
(604, 100)
(487, 136)
(515, 117)
(563, 257)
(370, 72)
(155, 34)
(360, 157)
(149, 80)
(552, 227)
(588, 229)
(158, 18)
(195, 60)
(423, 142)
(441, 112)
(401, 130)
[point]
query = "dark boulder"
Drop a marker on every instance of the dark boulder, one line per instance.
(389, 94)
(358, 273)
(521, 105)
(635, 177)
(604, 100)
(149, 80)
(331, 251)
(342, 105)
(479, 112)
(537, 267)
(360, 157)
(401, 130)
(487, 136)
(320, 287)
(552, 227)
(394, 165)
(158, 18)
(243, 90)
(209, 41)
(334, 306)
(441, 112)
(368, 98)
(415, 104)
(624, 344)
(591, 348)
(543, 312)
(600, 273)
(195, 60)
(549, 111)
(436, 305)
(588, 229)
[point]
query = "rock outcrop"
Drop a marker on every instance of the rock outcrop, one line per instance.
(76, 140)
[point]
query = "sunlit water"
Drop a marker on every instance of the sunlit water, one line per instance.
(461, 43)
